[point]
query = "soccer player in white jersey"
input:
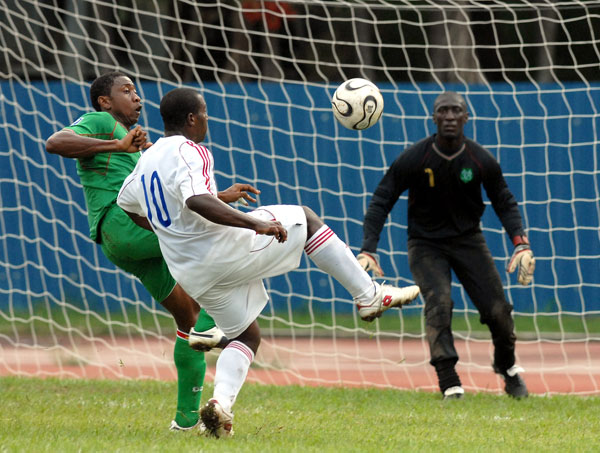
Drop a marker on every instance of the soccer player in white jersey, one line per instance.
(220, 255)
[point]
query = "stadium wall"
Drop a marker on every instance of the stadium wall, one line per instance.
(295, 153)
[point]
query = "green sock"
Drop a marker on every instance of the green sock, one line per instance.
(204, 322)
(191, 368)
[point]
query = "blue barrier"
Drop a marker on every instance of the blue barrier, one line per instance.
(546, 139)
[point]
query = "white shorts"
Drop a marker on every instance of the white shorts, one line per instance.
(237, 300)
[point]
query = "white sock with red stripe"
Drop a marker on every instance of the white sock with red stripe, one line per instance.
(331, 255)
(231, 371)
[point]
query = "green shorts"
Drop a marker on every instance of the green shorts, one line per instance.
(136, 251)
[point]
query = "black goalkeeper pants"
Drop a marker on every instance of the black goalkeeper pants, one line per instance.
(431, 263)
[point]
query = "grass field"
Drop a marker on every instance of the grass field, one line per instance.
(130, 322)
(132, 416)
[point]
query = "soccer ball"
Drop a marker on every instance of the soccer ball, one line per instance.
(357, 104)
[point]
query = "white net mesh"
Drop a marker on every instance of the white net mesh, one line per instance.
(529, 73)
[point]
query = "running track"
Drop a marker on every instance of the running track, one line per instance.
(551, 367)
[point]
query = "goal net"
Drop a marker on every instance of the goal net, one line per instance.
(527, 69)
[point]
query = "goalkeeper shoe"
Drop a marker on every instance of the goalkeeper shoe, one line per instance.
(514, 383)
(454, 393)
(386, 297)
(199, 426)
(218, 422)
(208, 339)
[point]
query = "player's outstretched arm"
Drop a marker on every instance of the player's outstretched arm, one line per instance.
(216, 211)
(68, 143)
(238, 192)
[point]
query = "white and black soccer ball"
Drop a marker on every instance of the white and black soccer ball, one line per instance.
(357, 104)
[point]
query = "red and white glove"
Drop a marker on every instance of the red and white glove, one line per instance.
(370, 263)
(522, 258)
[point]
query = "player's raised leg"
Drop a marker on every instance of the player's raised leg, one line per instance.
(333, 256)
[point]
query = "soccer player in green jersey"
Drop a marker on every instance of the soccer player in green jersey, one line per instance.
(107, 149)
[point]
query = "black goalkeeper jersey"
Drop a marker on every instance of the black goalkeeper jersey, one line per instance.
(444, 192)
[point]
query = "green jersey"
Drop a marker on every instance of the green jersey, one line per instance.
(102, 174)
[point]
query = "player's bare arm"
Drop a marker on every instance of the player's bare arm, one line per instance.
(238, 192)
(68, 143)
(216, 211)
(139, 220)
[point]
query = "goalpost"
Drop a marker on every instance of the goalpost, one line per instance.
(528, 70)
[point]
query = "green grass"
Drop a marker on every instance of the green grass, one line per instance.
(42, 321)
(133, 416)
(547, 324)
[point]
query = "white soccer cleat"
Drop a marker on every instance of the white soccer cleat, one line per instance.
(387, 297)
(206, 340)
(218, 422)
(454, 393)
(199, 426)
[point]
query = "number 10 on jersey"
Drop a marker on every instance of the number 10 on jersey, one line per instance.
(160, 206)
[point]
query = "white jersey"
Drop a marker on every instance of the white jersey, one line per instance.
(199, 253)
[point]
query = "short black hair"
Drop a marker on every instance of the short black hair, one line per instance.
(176, 105)
(102, 87)
(450, 94)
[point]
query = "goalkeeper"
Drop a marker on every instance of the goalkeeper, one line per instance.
(107, 150)
(444, 174)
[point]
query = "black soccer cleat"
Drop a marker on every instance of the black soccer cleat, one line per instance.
(514, 383)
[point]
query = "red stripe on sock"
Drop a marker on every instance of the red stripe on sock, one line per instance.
(181, 334)
(242, 348)
(317, 241)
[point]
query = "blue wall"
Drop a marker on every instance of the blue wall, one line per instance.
(546, 140)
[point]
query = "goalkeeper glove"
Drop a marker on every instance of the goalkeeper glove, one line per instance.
(370, 262)
(523, 259)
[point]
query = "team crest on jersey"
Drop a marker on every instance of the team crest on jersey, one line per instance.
(466, 175)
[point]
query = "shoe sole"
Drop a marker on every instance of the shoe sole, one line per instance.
(212, 421)
(210, 418)
(180, 429)
(455, 397)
